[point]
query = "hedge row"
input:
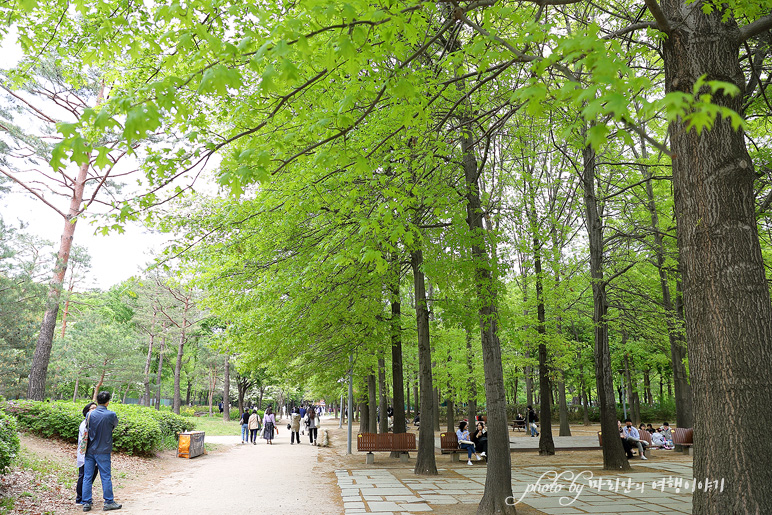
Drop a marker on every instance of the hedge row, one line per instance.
(140, 429)
(9, 441)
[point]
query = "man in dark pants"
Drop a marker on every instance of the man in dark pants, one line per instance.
(100, 446)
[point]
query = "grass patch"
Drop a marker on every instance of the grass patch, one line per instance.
(6, 505)
(42, 467)
(216, 426)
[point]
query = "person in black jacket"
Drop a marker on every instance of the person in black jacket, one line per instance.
(245, 426)
(532, 419)
(480, 439)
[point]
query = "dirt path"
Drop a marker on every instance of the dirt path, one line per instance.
(278, 478)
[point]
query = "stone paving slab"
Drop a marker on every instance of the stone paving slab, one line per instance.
(575, 490)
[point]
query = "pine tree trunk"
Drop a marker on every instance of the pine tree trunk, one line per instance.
(726, 294)
(613, 453)
(36, 389)
(425, 463)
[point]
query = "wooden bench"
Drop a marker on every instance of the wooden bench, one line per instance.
(385, 442)
(644, 438)
(449, 445)
(518, 425)
(685, 438)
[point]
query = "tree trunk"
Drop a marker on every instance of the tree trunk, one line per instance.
(726, 295)
(396, 352)
(160, 370)
(148, 361)
(528, 382)
(100, 382)
(226, 391)
(675, 323)
(425, 463)
(565, 428)
(372, 402)
(180, 351)
(383, 423)
(472, 408)
(36, 389)
(75, 393)
(364, 415)
(498, 480)
(177, 372)
(436, 412)
(546, 443)
(613, 453)
(451, 415)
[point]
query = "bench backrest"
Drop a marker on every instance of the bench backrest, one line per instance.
(683, 435)
(448, 441)
(404, 442)
(645, 436)
(366, 442)
(383, 441)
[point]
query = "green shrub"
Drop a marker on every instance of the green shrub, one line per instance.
(140, 429)
(9, 441)
(171, 424)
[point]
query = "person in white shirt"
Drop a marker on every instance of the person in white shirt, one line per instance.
(632, 436)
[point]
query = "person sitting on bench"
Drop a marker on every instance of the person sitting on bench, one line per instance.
(480, 439)
(625, 444)
(519, 421)
(632, 436)
(465, 443)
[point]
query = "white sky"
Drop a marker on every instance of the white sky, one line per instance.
(114, 258)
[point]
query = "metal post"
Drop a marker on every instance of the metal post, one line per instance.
(350, 400)
(340, 417)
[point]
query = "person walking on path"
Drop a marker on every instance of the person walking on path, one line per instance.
(254, 425)
(80, 458)
(313, 425)
(295, 426)
(269, 423)
(101, 424)
(245, 426)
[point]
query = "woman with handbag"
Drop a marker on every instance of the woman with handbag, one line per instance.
(269, 424)
(80, 458)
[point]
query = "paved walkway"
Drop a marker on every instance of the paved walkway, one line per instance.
(567, 491)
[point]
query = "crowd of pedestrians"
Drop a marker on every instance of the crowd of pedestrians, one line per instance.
(304, 419)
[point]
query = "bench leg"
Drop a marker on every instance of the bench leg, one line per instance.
(647, 452)
(453, 456)
(688, 450)
(403, 457)
(369, 458)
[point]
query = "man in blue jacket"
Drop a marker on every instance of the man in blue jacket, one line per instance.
(100, 445)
